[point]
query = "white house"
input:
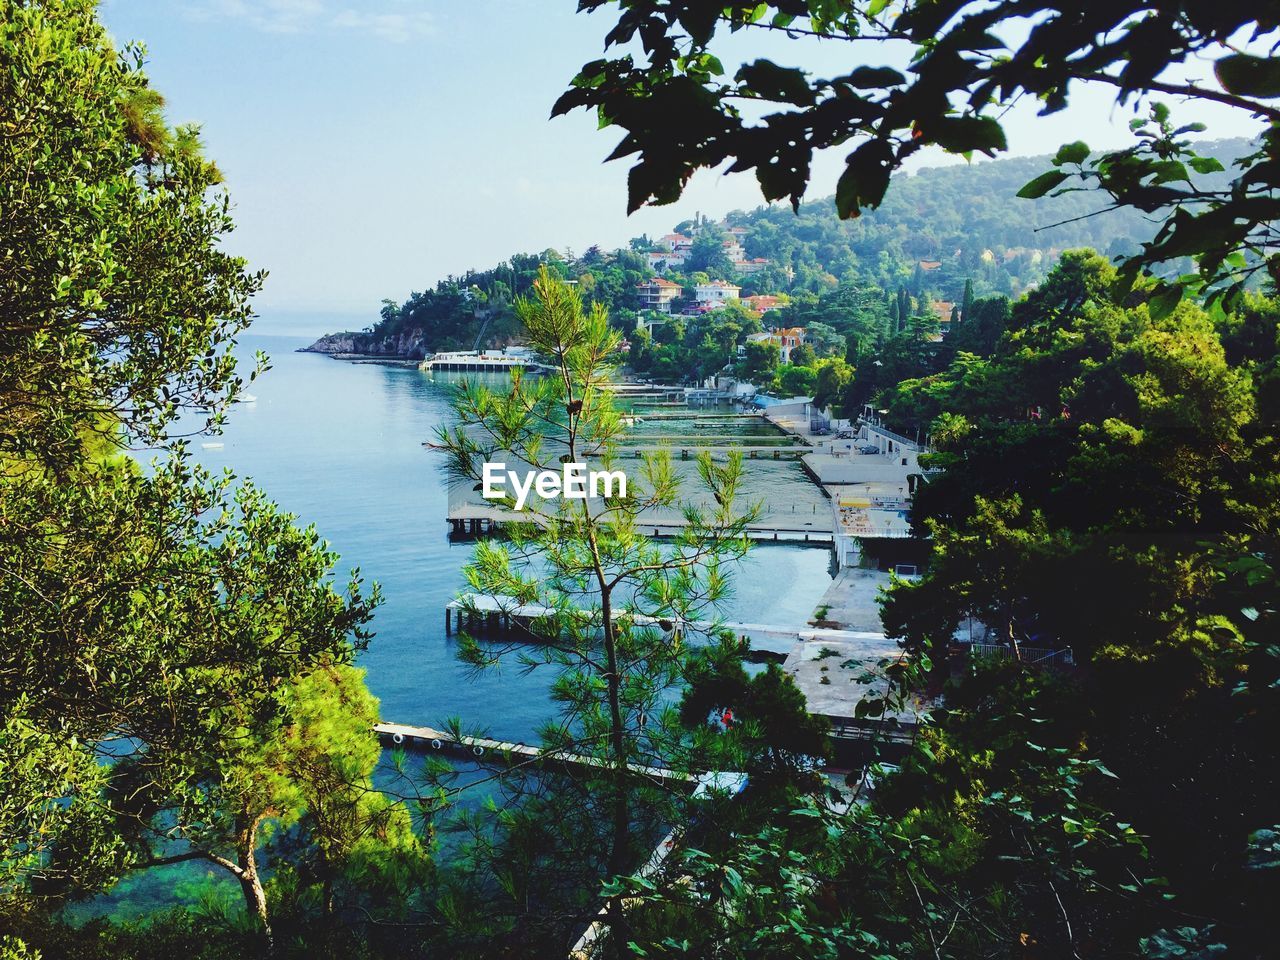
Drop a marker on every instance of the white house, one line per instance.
(716, 292)
(662, 259)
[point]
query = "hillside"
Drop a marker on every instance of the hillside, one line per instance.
(935, 230)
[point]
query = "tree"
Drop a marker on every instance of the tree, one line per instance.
(618, 606)
(144, 612)
(1125, 437)
(119, 303)
(760, 360)
(708, 255)
(834, 377)
(803, 355)
(306, 771)
(793, 381)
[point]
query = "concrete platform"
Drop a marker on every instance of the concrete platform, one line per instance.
(835, 673)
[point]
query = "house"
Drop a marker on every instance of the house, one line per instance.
(754, 265)
(930, 264)
(733, 250)
(786, 339)
(942, 310)
(676, 241)
(664, 259)
(762, 302)
(657, 294)
(716, 292)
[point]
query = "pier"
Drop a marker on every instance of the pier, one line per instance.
(510, 750)
(479, 611)
(478, 362)
(476, 520)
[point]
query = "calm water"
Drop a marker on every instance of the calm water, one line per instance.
(340, 445)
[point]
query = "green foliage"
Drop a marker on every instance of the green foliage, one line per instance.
(970, 62)
(1126, 522)
(620, 609)
(1224, 223)
(120, 304)
(174, 651)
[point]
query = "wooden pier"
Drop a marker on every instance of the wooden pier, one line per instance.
(484, 748)
(479, 611)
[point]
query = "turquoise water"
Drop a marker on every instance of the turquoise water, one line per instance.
(340, 444)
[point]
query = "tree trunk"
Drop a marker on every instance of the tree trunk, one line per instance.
(619, 847)
(255, 896)
(326, 894)
(617, 736)
(1013, 640)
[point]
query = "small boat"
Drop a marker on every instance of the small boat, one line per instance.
(246, 398)
(212, 446)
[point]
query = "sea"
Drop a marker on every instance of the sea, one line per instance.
(341, 445)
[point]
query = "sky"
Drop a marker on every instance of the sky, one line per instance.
(373, 147)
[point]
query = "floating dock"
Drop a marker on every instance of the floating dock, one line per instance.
(478, 362)
(510, 750)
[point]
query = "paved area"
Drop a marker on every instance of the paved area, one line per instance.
(835, 673)
(851, 600)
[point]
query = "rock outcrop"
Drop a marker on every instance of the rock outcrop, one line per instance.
(407, 345)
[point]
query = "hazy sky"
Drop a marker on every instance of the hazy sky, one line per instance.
(374, 146)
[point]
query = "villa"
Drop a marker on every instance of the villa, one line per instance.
(657, 294)
(716, 293)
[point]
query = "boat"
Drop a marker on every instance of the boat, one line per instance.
(246, 398)
(212, 446)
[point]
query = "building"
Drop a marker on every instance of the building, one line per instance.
(733, 250)
(942, 310)
(930, 264)
(754, 265)
(762, 302)
(715, 293)
(785, 338)
(657, 294)
(676, 241)
(664, 259)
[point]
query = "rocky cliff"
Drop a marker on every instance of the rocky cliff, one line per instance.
(407, 345)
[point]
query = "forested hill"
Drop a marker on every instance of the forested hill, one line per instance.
(935, 229)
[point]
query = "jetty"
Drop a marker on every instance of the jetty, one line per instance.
(511, 750)
(476, 519)
(483, 361)
(498, 613)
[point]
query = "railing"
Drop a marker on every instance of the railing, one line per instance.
(1034, 656)
(897, 437)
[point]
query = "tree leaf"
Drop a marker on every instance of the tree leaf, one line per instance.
(958, 134)
(1249, 76)
(1041, 185)
(772, 82)
(868, 77)
(865, 178)
(1075, 152)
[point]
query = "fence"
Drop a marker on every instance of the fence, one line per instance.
(1035, 656)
